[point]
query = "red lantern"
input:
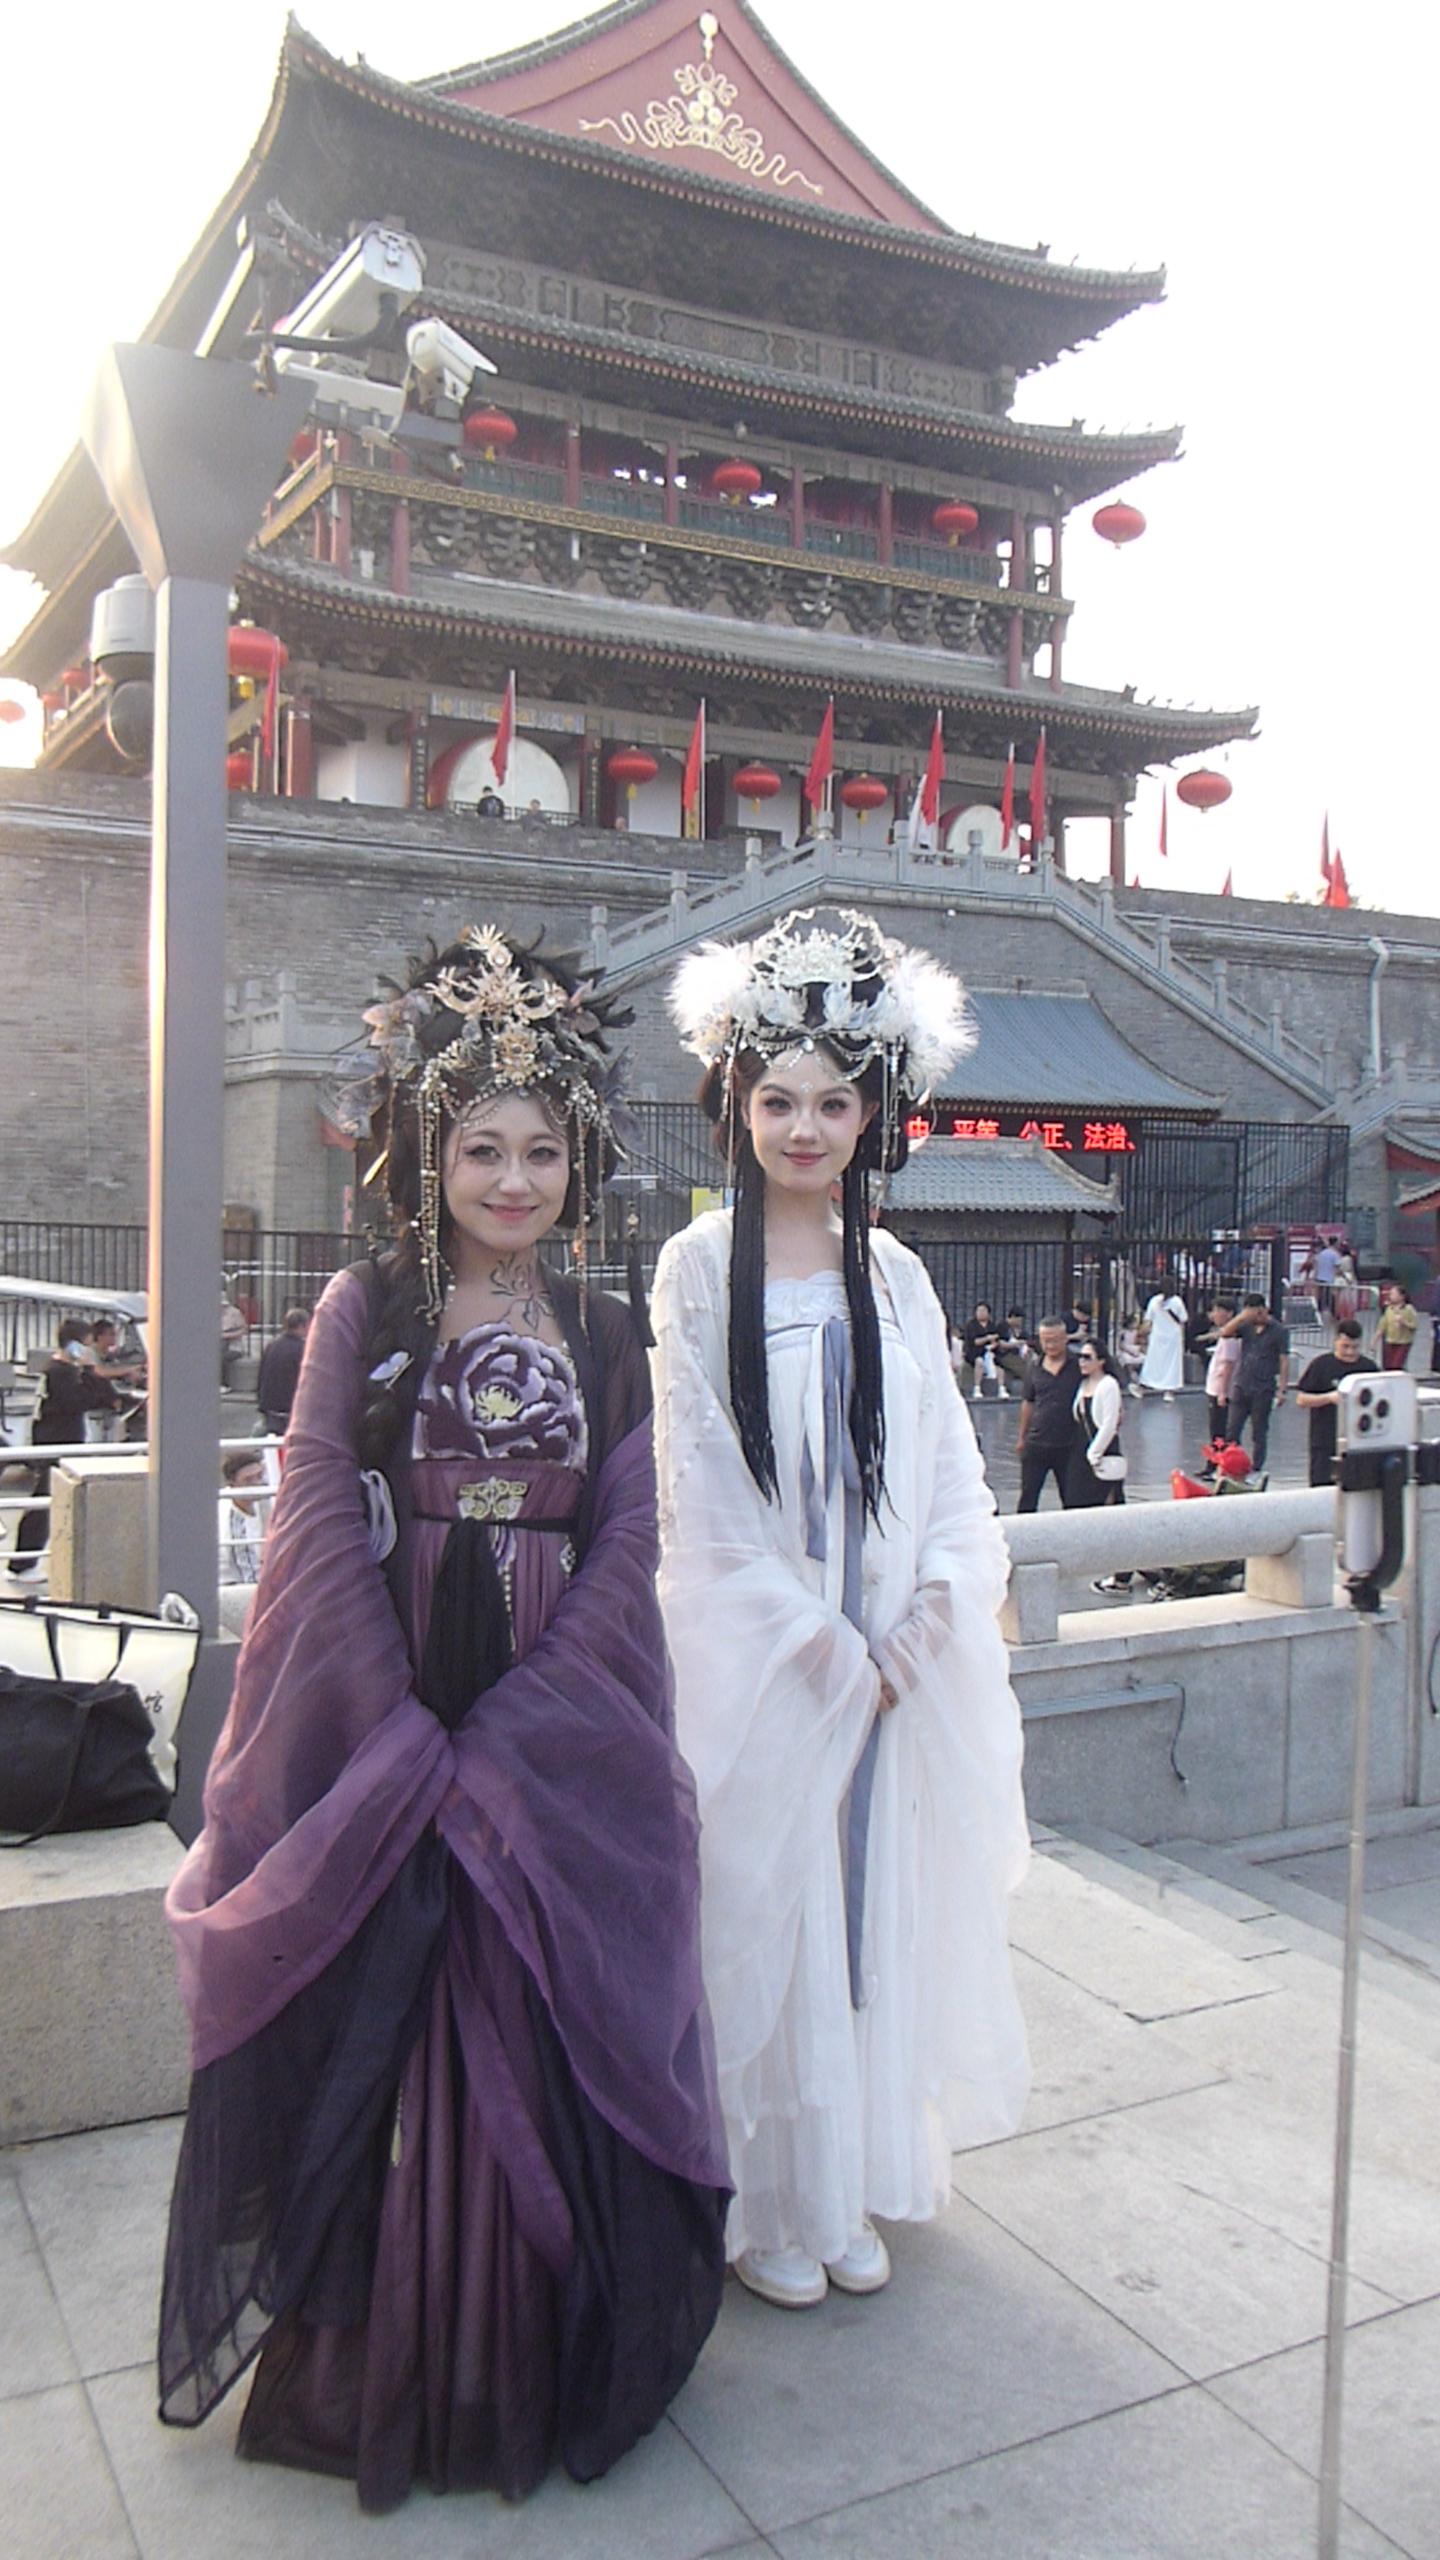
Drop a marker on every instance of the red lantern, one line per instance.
(52, 702)
(756, 782)
(251, 652)
(239, 775)
(862, 792)
(491, 430)
(302, 447)
(1203, 790)
(736, 480)
(75, 679)
(11, 710)
(1118, 523)
(954, 519)
(632, 766)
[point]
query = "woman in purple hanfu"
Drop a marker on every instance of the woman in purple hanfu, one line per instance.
(453, 2166)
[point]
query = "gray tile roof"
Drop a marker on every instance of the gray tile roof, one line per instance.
(1014, 1174)
(1062, 1050)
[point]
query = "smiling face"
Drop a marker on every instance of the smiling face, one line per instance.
(805, 1121)
(505, 1174)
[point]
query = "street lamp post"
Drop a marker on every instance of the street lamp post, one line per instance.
(188, 450)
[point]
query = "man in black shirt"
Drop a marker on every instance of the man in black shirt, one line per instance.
(1047, 1417)
(1318, 1394)
(1263, 1375)
(280, 1370)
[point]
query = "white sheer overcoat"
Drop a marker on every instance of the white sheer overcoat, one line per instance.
(834, 2112)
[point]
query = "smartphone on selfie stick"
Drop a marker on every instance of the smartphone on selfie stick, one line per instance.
(1380, 1455)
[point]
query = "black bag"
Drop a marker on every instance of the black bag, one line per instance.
(74, 1756)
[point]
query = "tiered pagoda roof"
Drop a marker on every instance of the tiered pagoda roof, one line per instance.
(676, 162)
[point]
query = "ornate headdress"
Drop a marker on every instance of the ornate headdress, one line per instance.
(833, 981)
(483, 1018)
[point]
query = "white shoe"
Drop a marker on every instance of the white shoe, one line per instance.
(789, 2278)
(865, 2267)
(979, 1396)
(1169, 1399)
(1135, 1391)
(1004, 1395)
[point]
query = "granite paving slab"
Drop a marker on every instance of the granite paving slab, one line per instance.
(1146, 2230)
(58, 2497)
(1130, 1958)
(98, 2205)
(1171, 2480)
(34, 2349)
(975, 2345)
(189, 2498)
(1390, 2463)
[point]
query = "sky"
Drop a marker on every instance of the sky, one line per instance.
(1273, 157)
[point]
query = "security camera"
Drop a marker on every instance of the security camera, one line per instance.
(442, 366)
(369, 283)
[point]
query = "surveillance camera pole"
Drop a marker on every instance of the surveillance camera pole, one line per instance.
(188, 451)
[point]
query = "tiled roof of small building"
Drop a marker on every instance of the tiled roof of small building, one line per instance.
(1016, 1175)
(1061, 1050)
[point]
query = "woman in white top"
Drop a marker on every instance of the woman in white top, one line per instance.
(1098, 1467)
(831, 1569)
(1166, 1317)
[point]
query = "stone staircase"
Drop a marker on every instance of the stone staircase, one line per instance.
(825, 872)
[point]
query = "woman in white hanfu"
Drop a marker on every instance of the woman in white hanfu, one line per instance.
(1166, 1317)
(831, 1571)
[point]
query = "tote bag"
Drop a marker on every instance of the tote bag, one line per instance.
(153, 1654)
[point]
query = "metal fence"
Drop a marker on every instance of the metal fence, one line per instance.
(1191, 1194)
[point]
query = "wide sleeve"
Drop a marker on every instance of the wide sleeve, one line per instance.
(775, 1690)
(946, 1658)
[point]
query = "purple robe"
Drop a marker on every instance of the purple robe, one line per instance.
(453, 2156)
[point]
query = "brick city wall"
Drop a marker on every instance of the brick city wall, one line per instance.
(333, 895)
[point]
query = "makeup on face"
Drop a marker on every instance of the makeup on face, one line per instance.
(506, 1173)
(805, 1121)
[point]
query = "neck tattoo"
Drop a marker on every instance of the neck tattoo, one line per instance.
(517, 1282)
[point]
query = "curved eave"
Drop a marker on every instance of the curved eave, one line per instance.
(1147, 733)
(1085, 466)
(1086, 291)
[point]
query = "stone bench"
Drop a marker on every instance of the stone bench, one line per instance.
(92, 2031)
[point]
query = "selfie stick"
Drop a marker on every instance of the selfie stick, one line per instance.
(1378, 1426)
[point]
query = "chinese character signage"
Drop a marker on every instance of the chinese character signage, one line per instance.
(1065, 1133)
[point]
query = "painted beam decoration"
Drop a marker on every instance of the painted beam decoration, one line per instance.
(703, 116)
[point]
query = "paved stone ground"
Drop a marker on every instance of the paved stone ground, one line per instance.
(1107, 2347)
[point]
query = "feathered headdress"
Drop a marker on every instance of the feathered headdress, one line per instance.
(832, 981)
(484, 1018)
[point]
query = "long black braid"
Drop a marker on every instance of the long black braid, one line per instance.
(749, 1365)
(748, 1360)
(867, 1393)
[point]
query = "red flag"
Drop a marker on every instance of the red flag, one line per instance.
(1338, 893)
(692, 789)
(1037, 798)
(1325, 870)
(822, 761)
(1135, 881)
(1164, 822)
(1227, 885)
(504, 733)
(1007, 801)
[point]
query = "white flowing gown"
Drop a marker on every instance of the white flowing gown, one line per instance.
(832, 2111)
(1164, 1363)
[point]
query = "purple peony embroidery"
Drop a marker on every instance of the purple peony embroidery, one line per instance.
(503, 1396)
